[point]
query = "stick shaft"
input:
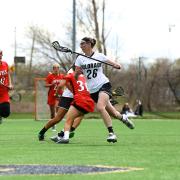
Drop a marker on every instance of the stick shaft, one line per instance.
(57, 46)
(92, 58)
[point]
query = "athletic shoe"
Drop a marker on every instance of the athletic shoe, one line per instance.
(71, 134)
(112, 138)
(0, 120)
(41, 137)
(63, 141)
(53, 128)
(55, 138)
(127, 122)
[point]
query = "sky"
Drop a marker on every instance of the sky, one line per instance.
(137, 27)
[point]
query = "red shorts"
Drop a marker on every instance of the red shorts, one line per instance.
(84, 102)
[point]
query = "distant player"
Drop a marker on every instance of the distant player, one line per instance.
(5, 86)
(52, 81)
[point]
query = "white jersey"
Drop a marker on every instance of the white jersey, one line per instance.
(67, 93)
(93, 71)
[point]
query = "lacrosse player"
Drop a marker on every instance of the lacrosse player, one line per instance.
(5, 86)
(99, 85)
(81, 104)
(52, 81)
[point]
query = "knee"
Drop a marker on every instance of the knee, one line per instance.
(100, 108)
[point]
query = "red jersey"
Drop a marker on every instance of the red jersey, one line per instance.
(53, 78)
(81, 94)
(4, 78)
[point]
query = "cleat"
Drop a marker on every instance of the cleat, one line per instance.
(111, 138)
(127, 122)
(55, 138)
(41, 137)
(71, 134)
(63, 141)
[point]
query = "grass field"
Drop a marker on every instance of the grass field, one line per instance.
(154, 145)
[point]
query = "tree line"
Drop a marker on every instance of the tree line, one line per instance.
(157, 85)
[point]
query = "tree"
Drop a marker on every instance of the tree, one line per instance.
(43, 49)
(173, 79)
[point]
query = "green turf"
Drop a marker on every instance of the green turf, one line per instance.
(153, 145)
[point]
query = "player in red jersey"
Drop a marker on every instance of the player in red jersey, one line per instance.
(52, 81)
(5, 86)
(82, 103)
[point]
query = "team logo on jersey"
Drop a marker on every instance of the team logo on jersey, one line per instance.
(3, 72)
(91, 65)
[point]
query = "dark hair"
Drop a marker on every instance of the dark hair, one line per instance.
(91, 40)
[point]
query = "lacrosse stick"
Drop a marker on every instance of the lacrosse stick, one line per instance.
(119, 91)
(60, 48)
(15, 96)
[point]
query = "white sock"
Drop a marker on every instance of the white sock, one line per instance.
(66, 134)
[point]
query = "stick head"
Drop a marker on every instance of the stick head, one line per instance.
(57, 46)
(119, 91)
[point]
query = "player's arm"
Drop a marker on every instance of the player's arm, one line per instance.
(49, 81)
(10, 81)
(60, 86)
(48, 85)
(115, 64)
(110, 61)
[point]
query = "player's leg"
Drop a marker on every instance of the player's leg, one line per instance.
(101, 108)
(4, 110)
(75, 124)
(52, 108)
(116, 114)
(72, 114)
(65, 103)
(59, 116)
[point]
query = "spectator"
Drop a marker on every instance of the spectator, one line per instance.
(139, 108)
(126, 109)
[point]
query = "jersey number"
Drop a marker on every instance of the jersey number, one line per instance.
(82, 85)
(91, 73)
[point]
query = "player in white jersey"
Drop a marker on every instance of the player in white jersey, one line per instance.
(99, 85)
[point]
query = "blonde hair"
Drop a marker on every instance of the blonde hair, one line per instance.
(56, 65)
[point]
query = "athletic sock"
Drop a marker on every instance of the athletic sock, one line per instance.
(110, 129)
(72, 129)
(61, 134)
(66, 135)
(43, 130)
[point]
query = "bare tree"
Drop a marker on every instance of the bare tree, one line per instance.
(91, 20)
(173, 79)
